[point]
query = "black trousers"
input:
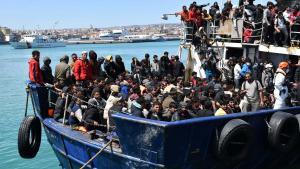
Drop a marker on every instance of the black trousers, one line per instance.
(268, 33)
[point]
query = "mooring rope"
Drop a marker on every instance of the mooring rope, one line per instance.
(27, 98)
(100, 151)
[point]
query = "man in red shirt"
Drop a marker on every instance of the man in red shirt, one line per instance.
(294, 15)
(82, 69)
(199, 19)
(192, 14)
(35, 73)
(184, 14)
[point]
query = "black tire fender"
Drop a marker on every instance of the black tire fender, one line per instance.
(235, 141)
(298, 118)
(29, 137)
(283, 133)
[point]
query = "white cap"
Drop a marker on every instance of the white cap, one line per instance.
(84, 52)
(268, 65)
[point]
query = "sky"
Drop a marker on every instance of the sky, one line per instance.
(49, 14)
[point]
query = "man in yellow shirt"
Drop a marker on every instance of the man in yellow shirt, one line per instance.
(223, 110)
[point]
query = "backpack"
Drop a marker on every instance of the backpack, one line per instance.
(244, 85)
(269, 80)
(244, 88)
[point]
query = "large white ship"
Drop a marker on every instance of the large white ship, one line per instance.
(38, 41)
(112, 35)
(142, 38)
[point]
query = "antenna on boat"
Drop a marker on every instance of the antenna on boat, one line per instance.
(54, 26)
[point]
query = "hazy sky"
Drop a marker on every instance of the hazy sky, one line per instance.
(43, 14)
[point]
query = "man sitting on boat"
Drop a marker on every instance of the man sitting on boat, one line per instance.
(75, 116)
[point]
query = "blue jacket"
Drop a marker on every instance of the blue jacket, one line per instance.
(124, 90)
(245, 69)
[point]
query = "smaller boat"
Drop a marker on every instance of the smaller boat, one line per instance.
(38, 41)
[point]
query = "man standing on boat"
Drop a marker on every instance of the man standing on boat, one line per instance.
(253, 94)
(47, 71)
(281, 85)
(82, 69)
(35, 73)
(62, 72)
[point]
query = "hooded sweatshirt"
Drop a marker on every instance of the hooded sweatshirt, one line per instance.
(35, 73)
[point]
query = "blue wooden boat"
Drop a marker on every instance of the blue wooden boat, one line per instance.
(255, 140)
(267, 139)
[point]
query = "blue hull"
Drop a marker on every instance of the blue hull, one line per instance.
(144, 143)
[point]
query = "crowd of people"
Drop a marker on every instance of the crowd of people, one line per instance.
(269, 24)
(93, 88)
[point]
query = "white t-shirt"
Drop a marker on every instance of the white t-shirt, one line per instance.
(237, 70)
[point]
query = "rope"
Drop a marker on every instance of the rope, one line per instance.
(90, 160)
(252, 22)
(76, 98)
(100, 108)
(268, 124)
(33, 106)
(27, 98)
(254, 36)
(257, 29)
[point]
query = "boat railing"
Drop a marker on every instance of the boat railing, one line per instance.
(295, 34)
(256, 32)
(68, 98)
(188, 30)
(228, 30)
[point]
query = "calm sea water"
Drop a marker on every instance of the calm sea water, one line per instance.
(13, 73)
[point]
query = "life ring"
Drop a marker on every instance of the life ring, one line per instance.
(29, 137)
(235, 141)
(283, 133)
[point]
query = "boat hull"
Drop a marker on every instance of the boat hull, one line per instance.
(144, 143)
(24, 45)
(73, 150)
(20, 45)
(48, 45)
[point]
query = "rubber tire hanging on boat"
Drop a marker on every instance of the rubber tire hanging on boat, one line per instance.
(283, 133)
(298, 118)
(29, 137)
(235, 141)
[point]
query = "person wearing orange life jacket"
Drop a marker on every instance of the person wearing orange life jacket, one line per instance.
(35, 73)
(281, 85)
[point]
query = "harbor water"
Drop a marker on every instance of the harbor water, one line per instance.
(14, 73)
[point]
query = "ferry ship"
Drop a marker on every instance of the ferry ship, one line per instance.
(112, 35)
(142, 38)
(38, 41)
(266, 139)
